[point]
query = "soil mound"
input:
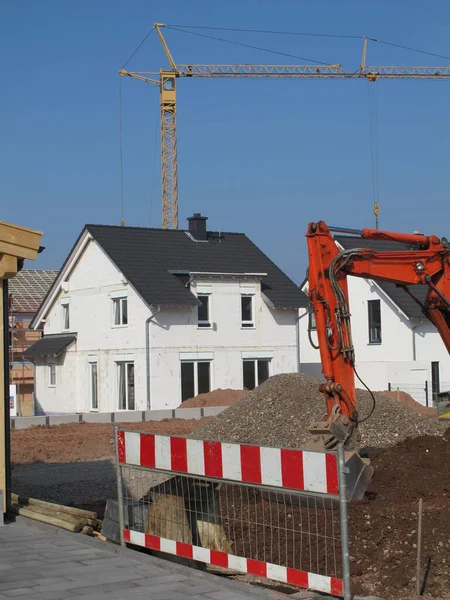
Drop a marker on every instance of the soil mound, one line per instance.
(407, 399)
(215, 398)
(280, 411)
(383, 529)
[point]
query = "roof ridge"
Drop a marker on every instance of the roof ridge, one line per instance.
(125, 227)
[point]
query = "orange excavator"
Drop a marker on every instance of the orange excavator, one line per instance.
(428, 262)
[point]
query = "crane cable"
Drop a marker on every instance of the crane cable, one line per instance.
(122, 220)
(138, 48)
(373, 145)
(152, 181)
(251, 46)
(311, 34)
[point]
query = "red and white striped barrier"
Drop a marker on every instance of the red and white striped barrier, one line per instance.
(322, 583)
(302, 470)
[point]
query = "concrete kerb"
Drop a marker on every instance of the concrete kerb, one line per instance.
(61, 419)
(96, 417)
(25, 422)
(212, 411)
(188, 413)
(128, 416)
(159, 415)
(117, 417)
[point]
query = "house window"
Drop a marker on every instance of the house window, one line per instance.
(65, 316)
(255, 372)
(126, 385)
(374, 321)
(247, 311)
(203, 311)
(93, 385)
(120, 311)
(195, 378)
(52, 375)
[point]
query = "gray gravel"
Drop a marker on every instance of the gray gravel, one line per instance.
(280, 411)
(90, 482)
(66, 483)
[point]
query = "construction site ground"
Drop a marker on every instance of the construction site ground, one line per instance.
(73, 464)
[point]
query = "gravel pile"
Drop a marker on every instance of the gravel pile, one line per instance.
(280, 411)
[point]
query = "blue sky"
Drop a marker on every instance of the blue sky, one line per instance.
(263, 157)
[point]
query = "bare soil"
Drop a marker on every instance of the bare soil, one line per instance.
(383, 528)
(81, 442)
(218, 397)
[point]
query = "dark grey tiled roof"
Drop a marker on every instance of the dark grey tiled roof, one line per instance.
(396, 294)
(50, 345)
(148, 258)
(29, 287)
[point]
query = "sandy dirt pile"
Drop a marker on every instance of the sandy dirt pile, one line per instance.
(280, 411)
(215, 398)
(79, 442)
(407, 399)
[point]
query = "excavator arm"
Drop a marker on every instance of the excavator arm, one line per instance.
(428, 263)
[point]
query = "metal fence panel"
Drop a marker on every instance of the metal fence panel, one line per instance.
(264, 511)
(424, 393)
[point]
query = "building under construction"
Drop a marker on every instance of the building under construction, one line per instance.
(26, 292)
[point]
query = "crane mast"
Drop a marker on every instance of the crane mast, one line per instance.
(165, 80)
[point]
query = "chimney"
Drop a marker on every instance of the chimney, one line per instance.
(197, 226)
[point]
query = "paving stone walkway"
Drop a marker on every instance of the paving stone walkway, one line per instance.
(41, 562)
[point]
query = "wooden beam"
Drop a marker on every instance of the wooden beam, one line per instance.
(4, 451)
(8, 266)
(16, 244)
(19, 241)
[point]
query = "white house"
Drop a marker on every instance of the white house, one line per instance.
(394, 343)
(144, 318)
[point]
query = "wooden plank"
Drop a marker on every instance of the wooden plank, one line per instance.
(26, 512)
(78, 512)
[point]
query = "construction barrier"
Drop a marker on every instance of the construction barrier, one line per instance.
(271, 512)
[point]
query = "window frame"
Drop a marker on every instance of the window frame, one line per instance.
(65, 315)
(124, 364)
(255, 362)
(195, 363)
(118, 301)
(248, 324)
(370, 305)
(91, 395)
(202, 324)
(51, 370)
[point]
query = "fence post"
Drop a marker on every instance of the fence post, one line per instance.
(119, 485)
(389, 387)
(344, 522)
(426, 392)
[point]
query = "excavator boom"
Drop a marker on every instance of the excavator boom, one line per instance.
(427, 263)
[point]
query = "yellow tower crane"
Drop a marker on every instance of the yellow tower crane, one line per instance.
(168, 99)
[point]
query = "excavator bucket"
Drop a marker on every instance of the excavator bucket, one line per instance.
(326, 436)
(358, 474)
